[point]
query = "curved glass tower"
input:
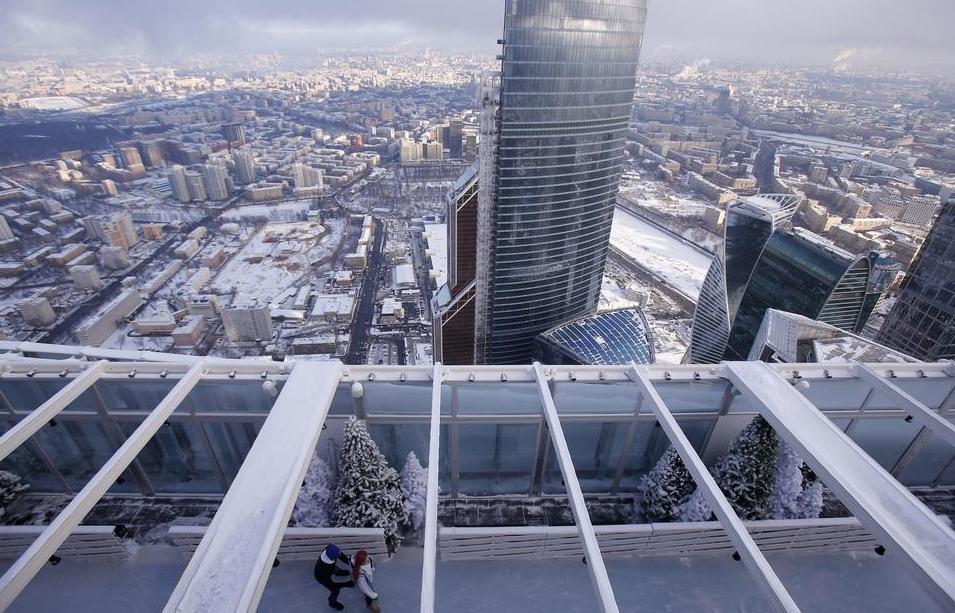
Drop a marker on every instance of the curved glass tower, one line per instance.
(566, 96)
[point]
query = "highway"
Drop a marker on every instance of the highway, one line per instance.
(365, 311)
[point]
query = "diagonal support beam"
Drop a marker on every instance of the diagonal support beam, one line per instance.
(429, 563)
(752, 557)
(29, 564)
(906, 527)
(595, 561)
(921, 414)
(231, 566)
(32, 423)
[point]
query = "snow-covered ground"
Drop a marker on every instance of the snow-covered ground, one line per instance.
(283, 211)
(843, 582)
(661, 253)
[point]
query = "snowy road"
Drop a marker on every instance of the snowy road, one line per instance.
(661, 253)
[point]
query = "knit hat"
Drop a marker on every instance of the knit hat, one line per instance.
(332, 551)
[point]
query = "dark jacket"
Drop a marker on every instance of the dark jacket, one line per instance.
(331, 573)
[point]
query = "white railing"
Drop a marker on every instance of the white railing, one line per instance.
(299, 543)
(88, 542)
(652, 540)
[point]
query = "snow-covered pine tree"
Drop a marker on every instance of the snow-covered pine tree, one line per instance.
(369, 491)
(10, 488)
(414, 485)
(747, 473)
(809, 504)
(665, 487)
(788, 484)
(696, 508)
(313, 509)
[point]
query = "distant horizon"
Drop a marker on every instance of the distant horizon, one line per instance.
(873, 33)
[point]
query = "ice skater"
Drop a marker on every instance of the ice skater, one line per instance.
(362, 571)
(333, 570)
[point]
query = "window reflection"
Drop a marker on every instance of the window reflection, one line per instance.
(496, 458)
(231, 442)
(651, 442)
(175, 459)
(595, 450)
(883, 439)
(78, 449)
(396, 440)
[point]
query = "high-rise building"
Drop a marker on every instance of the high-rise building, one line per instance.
(234, 133)
(197, 188)
(455, 140)
(152, 153)
(86, 277)
(305, 176)
(247, 323)
(764, 263)
(114, 257)
(5, 232)
(37, 311)
(433, 151)
(552, 151)
(244, 167)
(922, 322)
(109, 188)
(214, 177)
(116, 229)
(409, 151)
(177, 181)
(130, 156)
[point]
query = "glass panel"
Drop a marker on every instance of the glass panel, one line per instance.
(496, 459)
(231, 442)
(230, 396)
(26, 465)
(948, 477)
(28, 394)
(931, 392)
(836, 394)
(932, 457)
(78, 449)
(499, 399)
(698, 396)
(402, 398)
(135, 396)
(396, 440)
(342, 403)
(175, 460)
(595, 449)
(651, 442)
(883, 439)
(583, 398)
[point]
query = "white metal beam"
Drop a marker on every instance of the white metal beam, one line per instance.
(39, 417)
(429, 563)
(595, 561)
(921, 414)
(33, 559)
(904, 526)
(752, 557)
(230, 567)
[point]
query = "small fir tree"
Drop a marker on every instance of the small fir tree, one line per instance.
(313, 509)
(665, 487)
(747, 473)
(809, 504)
(696, 508)
(414, 485)
(788, 484)
(10, 488)
(369, 491)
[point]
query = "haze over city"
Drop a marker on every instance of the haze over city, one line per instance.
(471, 306)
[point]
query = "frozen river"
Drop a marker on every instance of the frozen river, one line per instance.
(663, 254)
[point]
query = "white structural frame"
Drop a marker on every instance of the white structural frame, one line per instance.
(29, 564)
(585, 529)
(921, 414)
(757, 564)
(231, 565)
(31, 424)
(906, 527)
(430, 554)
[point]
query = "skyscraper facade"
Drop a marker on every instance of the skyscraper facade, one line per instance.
(177, 181)
(922, 322)
(765, 263)
(553, 136)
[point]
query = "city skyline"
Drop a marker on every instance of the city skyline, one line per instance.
(818, 33)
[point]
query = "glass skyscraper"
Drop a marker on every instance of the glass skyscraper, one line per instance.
(766, 264)
(552, 151)
(922, 322)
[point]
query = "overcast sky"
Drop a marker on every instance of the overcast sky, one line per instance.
(899, 33)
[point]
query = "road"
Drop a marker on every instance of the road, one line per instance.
(365, 312)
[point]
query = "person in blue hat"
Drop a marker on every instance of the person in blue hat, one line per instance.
(333, 570)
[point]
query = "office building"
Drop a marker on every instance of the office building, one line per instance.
(244, 167)
(85, 277)
(305, 176)
(214, 178)
(234, 133)
(197, 187)
(130, 157)
(177, 181)
(116, 229)
(922, 322)
(36, 311)
(552, 151)
(247, 323)
(764, 263)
